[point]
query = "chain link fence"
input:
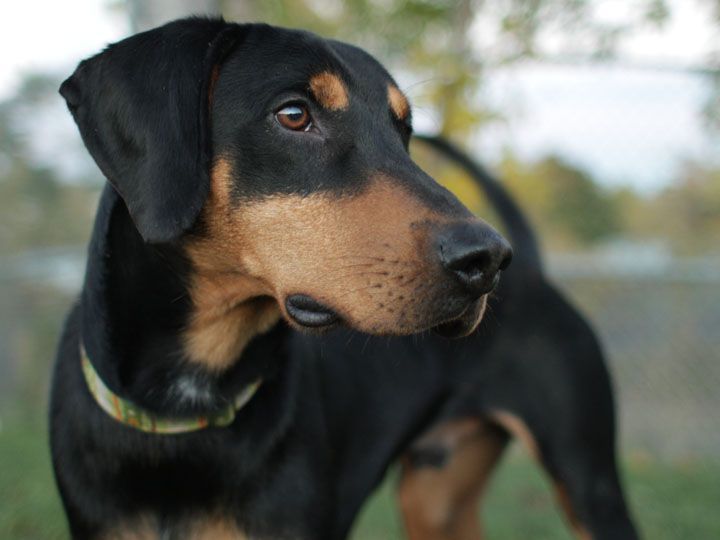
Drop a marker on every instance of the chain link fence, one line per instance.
(660, 326)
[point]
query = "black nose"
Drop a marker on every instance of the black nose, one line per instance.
(474, 253)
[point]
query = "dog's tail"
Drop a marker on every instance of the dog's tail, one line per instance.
(526, 250)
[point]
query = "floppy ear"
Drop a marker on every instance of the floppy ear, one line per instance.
(142, 107)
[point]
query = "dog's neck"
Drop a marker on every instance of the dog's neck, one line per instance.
(136, 309)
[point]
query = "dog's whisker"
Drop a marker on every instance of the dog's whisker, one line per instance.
(365, 257)
(358, 265)
(407, 89)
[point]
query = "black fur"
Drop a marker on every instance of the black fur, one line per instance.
(334, 410)
(141, 100)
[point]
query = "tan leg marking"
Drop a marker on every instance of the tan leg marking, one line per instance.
(442, 503)
(398, 102)
(519, 429)
(330, 91)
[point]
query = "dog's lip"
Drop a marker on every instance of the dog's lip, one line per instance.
(463, 324)
(308, 312)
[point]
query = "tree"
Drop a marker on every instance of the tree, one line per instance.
(450, 45)
(688, 212)
(145, 15)
(36, 208)
(712, 107)
(565, 202)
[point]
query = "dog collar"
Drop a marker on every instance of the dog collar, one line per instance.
(136, 417)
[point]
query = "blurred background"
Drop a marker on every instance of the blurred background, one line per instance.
(601, 116)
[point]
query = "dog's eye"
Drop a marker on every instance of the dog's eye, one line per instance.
(294, 117)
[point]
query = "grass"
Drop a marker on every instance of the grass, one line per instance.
(29, 505)
(670, 500)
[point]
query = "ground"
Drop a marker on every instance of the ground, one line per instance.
(671, 500)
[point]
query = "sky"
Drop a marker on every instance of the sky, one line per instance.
(629, 126)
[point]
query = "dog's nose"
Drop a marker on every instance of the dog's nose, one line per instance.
(474, 253)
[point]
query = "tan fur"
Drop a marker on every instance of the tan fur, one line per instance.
(365, 255)
(138, 528)
(229, 307)
(442, 503)
(219, 333)
(215, 527)
(520, 430)
(211, 527)
(517, 427)
(330, 91)
(563, 499)
(398, 102)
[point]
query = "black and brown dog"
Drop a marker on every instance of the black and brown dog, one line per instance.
(259, 174)
(255, 173)
(534, 371)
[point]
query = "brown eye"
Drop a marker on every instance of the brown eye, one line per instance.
(294, 117)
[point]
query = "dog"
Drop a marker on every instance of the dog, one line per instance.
(446, 409)
(259, 187)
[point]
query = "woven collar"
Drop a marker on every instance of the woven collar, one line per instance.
(136, 417)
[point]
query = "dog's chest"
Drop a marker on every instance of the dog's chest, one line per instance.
(209, 526)
(212, 526)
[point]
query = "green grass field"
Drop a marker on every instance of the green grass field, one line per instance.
(670, 501)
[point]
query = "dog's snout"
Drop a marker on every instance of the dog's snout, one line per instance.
(475, 254)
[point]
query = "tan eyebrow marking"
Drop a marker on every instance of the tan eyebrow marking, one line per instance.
(398, 102)
(330, 91)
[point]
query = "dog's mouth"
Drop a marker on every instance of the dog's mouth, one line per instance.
(465, 323)
(310, 313)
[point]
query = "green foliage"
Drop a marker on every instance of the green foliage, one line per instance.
(36, 208)
(35, 211)
(686, 214)
(577, 203)
(565, 202)
(436, 40)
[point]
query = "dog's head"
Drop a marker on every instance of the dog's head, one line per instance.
(277, 161)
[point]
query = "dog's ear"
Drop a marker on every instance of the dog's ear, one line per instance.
(142, 107)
